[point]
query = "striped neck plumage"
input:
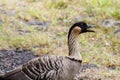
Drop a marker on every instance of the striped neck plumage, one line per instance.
(73, 44)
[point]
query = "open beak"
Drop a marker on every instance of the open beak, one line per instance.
(88, 29)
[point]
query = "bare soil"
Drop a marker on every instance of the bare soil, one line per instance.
(9, 59)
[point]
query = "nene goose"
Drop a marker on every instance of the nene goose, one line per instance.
(51, 67)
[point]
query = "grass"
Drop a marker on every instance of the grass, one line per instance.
(101, 48)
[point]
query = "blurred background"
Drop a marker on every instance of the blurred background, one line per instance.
(42, 27)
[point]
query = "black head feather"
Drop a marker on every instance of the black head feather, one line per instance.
(84, 27)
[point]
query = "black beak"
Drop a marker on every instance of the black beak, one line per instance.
(89, 27)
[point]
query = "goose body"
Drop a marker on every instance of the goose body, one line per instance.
(51, 67)
(46, 68)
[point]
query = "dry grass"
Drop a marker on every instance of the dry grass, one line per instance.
(98, 74)
(101, 48)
